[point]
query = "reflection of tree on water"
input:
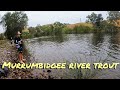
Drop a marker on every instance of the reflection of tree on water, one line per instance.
(97, 38)
(114, 40)
(57, 38)
(77, 36)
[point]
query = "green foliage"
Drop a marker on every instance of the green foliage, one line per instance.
(45, 30)
(99, 20)
(67, 30)
(101, 25)
(78, 30)
(82, 29)
(57, 29)
(92, 18)
(26, 35)
(32, 31)
(108, 27)
(95, 19)
(14, 22)
(113, 16)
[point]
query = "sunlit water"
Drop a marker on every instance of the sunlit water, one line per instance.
(77, 47)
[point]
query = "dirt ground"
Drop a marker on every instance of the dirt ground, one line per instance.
(8, 53)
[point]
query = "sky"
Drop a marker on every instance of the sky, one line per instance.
(48, 17)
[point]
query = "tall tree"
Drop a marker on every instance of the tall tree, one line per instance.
(95, 19)
(14, 22)
(99, 20)
(57, 28)
(113, 16)
(92, 18)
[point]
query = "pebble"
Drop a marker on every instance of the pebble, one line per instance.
(48, 71)
(8, 52)
(19, 77)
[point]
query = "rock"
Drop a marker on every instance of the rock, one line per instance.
(49, 77)
(45, 75)
(4, 72)
(31, 77)
(36, 77)
(43, 70)
(8, 52)
(19, 77)
(1, 72)
(48, 71)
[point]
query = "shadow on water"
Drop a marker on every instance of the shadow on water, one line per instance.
(97, 38)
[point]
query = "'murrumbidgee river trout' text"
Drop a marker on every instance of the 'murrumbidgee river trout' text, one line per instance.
(59, 65)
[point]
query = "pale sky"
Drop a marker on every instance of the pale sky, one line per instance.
(48, 17)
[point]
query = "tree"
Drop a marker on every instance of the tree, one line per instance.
(14, 22)
(113, 16)
(92, 18)
(99, 20)
(57, 28)
(95, 19)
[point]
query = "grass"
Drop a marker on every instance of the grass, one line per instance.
(71, 26)
(82, 73)
(2, 43)
(78, 28)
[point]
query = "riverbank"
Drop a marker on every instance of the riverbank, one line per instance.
(8, 53)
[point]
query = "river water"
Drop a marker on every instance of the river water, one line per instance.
(93, 47)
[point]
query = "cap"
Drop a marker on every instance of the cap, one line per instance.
(18, 33)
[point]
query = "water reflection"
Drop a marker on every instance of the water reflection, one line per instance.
(57, 38)
(115, 38)
(97, 39)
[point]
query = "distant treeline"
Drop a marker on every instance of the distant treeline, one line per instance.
(58, 28)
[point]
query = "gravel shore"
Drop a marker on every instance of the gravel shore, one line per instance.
(8, 53)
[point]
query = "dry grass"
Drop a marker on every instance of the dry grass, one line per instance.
(79, 24)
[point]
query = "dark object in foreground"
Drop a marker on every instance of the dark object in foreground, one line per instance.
(48, 71)
(3, 72)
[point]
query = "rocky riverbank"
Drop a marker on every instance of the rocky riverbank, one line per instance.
(8, 53)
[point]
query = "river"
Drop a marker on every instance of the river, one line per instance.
(92, 47)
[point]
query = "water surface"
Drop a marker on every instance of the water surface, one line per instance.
(93, 47)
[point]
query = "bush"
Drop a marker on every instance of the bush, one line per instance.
(82, 29)
(26, 35)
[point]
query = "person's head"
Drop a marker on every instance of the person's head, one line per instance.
(18, 34)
